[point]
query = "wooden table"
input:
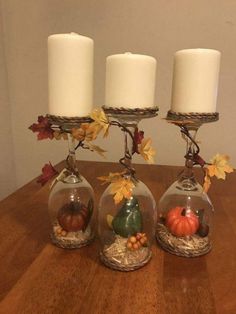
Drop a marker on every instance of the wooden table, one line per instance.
(37, 277)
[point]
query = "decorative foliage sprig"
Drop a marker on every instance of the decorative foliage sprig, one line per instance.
(218, 165)
(84, 134)
(122, 183)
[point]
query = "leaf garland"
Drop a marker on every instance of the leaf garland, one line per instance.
(85, 134)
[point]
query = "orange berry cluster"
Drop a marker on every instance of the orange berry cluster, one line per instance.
(60, 231)
(135, 242)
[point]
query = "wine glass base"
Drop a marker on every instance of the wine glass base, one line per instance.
(192, 117)
(131, 114)
(191, 246)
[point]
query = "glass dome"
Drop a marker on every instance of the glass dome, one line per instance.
(185, 218)
(71, 203)
(126, 230)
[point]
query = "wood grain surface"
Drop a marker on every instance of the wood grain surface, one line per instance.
(37, 277)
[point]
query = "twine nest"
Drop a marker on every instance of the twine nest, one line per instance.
(191, 246)
(117, 256)
(204, 117)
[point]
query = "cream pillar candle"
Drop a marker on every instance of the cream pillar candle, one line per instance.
(195, 80)
(130, 80)
(70, 75)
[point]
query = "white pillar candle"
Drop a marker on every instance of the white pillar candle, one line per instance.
(195, 80)
(70, 75)
(130, 81)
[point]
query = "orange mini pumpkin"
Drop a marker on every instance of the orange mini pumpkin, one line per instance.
(182, 222)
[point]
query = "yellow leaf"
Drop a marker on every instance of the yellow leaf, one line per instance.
(85, 132)
(207, 182)
(78, 133)
(122, 188)
(112, 177)
(97, 149)
(146, 150)
(219, 166)
(101, 121)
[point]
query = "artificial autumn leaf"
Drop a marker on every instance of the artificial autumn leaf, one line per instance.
(138, 137)
(146, 150)
(219, 166)
(83, 133)
(43, 127)
(101, 122)
(122, 188)
(97, 149)
(58, 135)
(112, 177)
(48, 171)
(207, 182)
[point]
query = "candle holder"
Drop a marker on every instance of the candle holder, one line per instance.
(185, 210)
(71, 199)
(126, 228)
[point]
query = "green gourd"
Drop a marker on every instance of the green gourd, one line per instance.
(128, 220)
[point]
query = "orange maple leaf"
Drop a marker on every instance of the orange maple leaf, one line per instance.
(101, 122)
(122, 188)
(112, 177)
(146, 150)
(219, 166)
(207, 181)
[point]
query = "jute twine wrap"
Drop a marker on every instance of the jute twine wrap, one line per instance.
(121, 267)
(193, 116)
(138, 112)
(191, 246)
(60, 120)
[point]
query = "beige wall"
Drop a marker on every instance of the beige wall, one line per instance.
(7, 171)
(154, 27)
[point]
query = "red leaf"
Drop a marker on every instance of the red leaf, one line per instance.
(48, 171)
(43, 127)
(138, 137)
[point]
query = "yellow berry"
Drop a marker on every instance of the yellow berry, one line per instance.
(63, 233)
(132, 239)
(129, 245)
(58, 230)
(142, 241)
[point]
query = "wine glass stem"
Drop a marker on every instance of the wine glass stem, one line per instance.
(128, 144)
(190, 152)
(71, 159)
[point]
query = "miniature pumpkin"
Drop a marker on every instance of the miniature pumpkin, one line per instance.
(74, 216)
(182, 222)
